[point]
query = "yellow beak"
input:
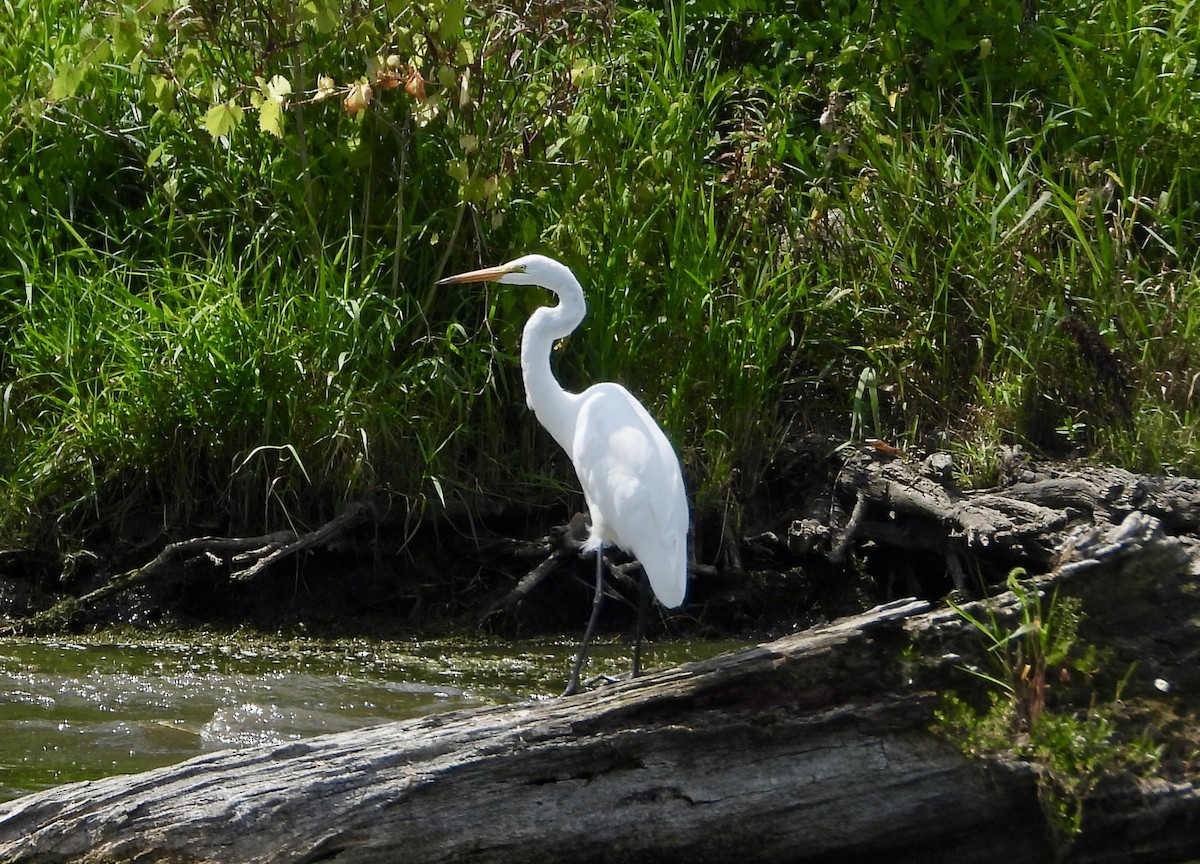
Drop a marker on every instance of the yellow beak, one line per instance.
(487, 274)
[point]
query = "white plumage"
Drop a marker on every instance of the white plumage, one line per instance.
(629, 472)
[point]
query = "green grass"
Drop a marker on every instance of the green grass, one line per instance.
(1000, 226)
(233, 393)
(1042, 705)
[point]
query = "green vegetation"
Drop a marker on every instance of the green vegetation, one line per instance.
(222, 222)
(1042, 705)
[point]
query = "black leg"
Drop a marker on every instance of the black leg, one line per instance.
(573, 684)
(643, 608)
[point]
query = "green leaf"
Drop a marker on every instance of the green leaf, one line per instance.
(473, 190)
(70, 74)
(161, 93)
(270, 118)
(577, 124)
(223, 119)
(189, 64)
(451, 25)
(155, 155)
(126, 39)
(322, 13)
(584, 73)
(66, 82)
(271, 101)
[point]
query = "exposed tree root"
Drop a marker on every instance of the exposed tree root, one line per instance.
(241, 557)
(896, 506)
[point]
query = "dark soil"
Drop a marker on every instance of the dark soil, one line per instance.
(457, 570)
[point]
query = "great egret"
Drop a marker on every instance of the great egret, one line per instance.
(629, 472)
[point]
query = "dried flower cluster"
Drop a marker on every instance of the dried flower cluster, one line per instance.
(386, 74)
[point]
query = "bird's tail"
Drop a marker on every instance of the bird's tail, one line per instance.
(666, 568)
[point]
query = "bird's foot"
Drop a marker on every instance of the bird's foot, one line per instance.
(575, 687)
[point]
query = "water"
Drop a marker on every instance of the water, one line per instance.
(81, 708)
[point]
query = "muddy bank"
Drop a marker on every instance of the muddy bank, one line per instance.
(826, 535)
(496, 566)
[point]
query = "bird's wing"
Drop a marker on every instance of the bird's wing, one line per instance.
(634, 486)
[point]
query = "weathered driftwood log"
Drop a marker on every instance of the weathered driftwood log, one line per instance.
(815, 747)
(776, 753)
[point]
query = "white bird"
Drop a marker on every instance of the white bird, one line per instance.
(629, 472)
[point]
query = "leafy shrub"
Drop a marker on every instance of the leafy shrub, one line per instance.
(991, 208)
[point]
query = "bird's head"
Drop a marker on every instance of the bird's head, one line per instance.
(526, 270)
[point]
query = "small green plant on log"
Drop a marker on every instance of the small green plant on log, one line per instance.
(1040, 705)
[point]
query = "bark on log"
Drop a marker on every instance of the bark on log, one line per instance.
(769, 754)
(814, 747)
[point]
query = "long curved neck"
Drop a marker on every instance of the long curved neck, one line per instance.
(555, 407)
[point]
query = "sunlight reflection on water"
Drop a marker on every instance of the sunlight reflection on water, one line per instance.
(77, 709)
